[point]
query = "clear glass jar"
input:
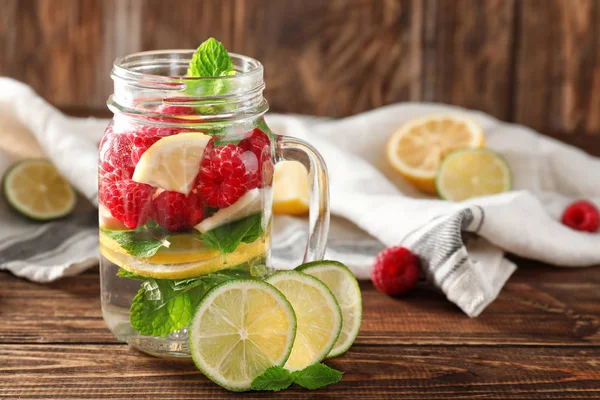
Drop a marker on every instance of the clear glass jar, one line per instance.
(185, 193)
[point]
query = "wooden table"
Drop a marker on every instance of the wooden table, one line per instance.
(539, 340)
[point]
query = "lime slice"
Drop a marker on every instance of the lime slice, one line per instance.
(173, 162)
(36, 189)
(468, 173)
(182, 260)
(345, 288)
(318, 314)
(241, 328)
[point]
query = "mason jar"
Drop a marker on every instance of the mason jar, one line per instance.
(185, 193)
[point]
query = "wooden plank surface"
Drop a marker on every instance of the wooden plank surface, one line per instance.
(531, 61)
(83, 371)
(564, 309)
(539, 340)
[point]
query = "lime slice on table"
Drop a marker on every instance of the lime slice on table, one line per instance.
(241, 328)
(342, 283)
(36, 189)
(318, 314)
(468, 173)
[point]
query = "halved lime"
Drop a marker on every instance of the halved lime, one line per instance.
(318, 314)
(241, 328)
(342, 283)
(468, 173)
(36, 189)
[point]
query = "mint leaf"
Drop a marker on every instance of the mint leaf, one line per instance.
(274, 379)
(316, 376)
(123, 273)
(250, 228)
(211, 59)
(162, 306)
(158, 309)
(143, 242)
(135, 244)
(228, 237)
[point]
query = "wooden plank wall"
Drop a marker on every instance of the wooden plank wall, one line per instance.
(535, 62)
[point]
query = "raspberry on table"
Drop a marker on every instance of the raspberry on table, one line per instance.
(128, 201)
(177, 212)
(582, 216)
(222, 178)
(258, 144)
(396, 271)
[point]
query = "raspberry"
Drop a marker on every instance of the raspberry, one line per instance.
(177, 212)
(146, 136)
(396, 270)
(258, 144)
(114, 157)
(582, 216)
(175, 110)
(222, 178)
(128, 201)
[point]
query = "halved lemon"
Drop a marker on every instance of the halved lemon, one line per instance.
(241, 328)
(318, 315)
(417, 148)
(173, 162)
(290, 188)
(468, 173)
(185, 258)
(342, 283)
(36, 189)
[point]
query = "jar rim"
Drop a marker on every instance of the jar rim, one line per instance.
(125, 67)
(143, 80)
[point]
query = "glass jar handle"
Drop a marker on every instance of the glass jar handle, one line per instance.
(293, 149)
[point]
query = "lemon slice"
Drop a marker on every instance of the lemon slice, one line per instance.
(173, 162)
(345, 288)
(36, 189)
(471, 173)
(417, 148)
(318, 315)
(290, 188)
(241, 328)
(182, 260)
(249, 203)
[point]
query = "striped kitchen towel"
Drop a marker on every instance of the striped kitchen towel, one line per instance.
(46, 252)
(32, 128)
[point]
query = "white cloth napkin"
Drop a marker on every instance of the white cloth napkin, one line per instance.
(461, 245)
